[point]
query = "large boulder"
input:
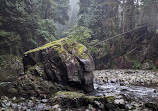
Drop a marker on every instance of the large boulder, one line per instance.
(64, 62)
(79, 101)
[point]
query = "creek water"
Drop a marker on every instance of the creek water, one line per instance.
(138, 93)
(113, 87)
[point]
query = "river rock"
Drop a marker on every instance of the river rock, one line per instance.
(146, 66)
(56, 107)
(119, 101)
(64, 62)
(69, 99)
(152, 106)
(76, 100)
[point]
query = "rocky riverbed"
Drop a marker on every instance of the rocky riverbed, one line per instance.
(115, 90)
(136, 77)
(140, 84)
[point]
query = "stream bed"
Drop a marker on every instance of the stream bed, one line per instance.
(138, 93)
(139, 85)
(132, 89)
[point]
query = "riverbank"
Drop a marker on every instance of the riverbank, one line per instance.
(139, 87)
(130, 90)
(127, 76)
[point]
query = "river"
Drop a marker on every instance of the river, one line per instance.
(140, 85)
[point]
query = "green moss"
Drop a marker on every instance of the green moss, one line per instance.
(12, 91)
(68, 99)
(91, 99)
(56, 44)
(110, 99)
(137, 65)
(80, 48)
(154, 68)
(68, 94)
(64, 45)
(80, 51)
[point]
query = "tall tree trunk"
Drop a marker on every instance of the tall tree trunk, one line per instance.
(123, 17)
(129, 15)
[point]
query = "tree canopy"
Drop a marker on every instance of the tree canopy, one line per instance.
(30, 22)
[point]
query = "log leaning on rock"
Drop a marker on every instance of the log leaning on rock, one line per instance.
(64, 62)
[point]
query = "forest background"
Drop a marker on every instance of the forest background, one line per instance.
(118, 33)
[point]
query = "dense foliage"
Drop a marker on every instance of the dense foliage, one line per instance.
(79, 33)
(100, 16)
(25, 24)
(108, 18)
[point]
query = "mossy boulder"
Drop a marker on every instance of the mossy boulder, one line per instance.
(63, 61)
(67, 99)
(30, 85)
(75, 100)
(110, 99)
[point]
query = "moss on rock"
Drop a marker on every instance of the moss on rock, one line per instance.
(64, 45)
(35, 86)
(56, 44)
(75, 100)
(64, 62)
(68, 94)
(91, 99)
(110, 99)
(68, 99)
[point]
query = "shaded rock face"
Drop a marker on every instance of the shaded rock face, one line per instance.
(29, 85)
(64, 62)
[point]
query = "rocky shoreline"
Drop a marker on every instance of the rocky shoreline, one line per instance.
(127, 76)
(108, 95)
(140, 87)
(73, 101)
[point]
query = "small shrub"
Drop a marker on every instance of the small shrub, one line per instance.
(137, 65)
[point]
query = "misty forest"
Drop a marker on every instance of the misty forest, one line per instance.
(78, 55)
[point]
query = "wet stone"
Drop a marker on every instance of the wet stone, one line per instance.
(119, 101)
(107, 96)
(128, 82)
